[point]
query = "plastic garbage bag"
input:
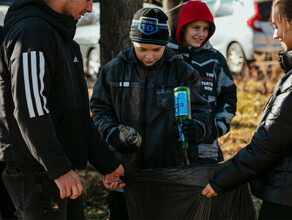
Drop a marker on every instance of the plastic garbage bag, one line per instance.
(175, 193)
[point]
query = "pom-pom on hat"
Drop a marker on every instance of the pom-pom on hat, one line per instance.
(149, 25)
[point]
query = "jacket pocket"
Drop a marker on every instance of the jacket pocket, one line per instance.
(126, 98)
(14, 182)
(165, 98)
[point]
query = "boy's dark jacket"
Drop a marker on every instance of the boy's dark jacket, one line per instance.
(142, 97)
(217, 83)
(44, 106)
(217, 87)
(267, 159)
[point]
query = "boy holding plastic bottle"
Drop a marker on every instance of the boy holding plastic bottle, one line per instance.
(190, 38)
(136, 90)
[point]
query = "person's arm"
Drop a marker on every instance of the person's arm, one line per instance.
(226, 100)
(197, 128)
(102, 106)
(100, 155)
(269, 144)
(31, 64)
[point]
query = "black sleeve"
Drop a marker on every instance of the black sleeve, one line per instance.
(199, 106)
(31, 64)
(100, 155)
(269, 144)
(103, 112)
(226, 99)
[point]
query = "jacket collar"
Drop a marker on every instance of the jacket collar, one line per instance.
(129, 55)
(285, 60)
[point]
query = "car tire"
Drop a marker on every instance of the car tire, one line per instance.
(235, 58)
(93, 63)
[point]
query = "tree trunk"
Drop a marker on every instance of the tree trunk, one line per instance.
(115, 20)
(172, 11)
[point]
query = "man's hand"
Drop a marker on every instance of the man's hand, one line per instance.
(69, 185)
(209, 191)
(112, 181)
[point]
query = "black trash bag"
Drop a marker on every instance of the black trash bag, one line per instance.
(175, 193)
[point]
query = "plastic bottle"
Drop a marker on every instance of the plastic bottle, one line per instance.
(129, 135)
(182, 109)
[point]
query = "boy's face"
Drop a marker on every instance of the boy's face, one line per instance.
(77, 8)
(195, 33)
(148, 54)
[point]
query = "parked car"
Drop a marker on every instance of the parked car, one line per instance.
(88, 35)
(243, 32)
(4, 5)
(3, 10)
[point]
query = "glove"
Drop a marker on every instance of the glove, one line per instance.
(123, 141)
(190, 130)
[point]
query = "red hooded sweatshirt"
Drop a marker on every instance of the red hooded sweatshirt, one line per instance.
(193, 11)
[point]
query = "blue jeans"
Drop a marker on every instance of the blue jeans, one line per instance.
(34, 195)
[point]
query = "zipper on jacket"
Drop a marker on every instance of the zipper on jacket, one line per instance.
(146, 74)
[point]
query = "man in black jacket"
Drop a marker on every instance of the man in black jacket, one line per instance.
(46, 131)
(7, 209)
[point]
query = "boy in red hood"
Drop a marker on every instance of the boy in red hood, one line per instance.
(191, 39)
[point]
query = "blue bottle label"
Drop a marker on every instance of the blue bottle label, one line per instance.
(180, 103)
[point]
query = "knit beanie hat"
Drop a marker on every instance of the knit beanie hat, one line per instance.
(149, 25)
(194, 11)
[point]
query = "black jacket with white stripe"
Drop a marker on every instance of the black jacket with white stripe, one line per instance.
(44, 105)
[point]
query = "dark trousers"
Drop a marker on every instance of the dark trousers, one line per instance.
(7, 209)
(34, 195)
(75, 209)
(116, 206)
(274, 211)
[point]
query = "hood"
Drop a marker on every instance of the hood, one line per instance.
(21, 9)
(172, 44)
(129, 55)
(194, 11)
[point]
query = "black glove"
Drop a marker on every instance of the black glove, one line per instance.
(191, 131)
(121, 146)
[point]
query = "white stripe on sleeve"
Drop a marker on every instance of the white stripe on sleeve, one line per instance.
(42, 73)
(35, 83)
(34, 72)
(27, 85)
